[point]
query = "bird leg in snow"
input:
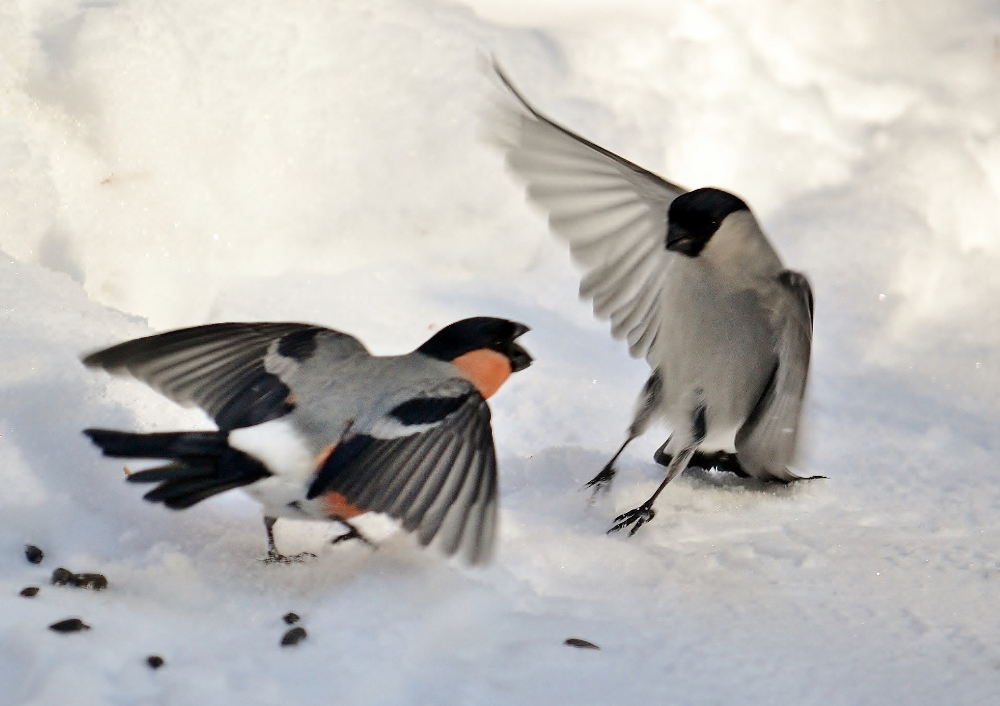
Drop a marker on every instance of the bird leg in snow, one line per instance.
(644, 513)
(351, 533)
(273, 556)
(602, 481)
(649, 400)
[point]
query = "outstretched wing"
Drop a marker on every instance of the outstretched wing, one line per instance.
(223, 368)
(429, 463)
(612, 213)
(766, 442)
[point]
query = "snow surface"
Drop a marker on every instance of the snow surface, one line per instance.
(169, 164)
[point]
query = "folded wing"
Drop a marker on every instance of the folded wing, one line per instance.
(766, 443)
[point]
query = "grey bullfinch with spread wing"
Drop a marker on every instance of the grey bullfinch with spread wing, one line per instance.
(690, 281)
(313, 426)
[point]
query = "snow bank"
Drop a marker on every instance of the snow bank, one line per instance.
(167, 164)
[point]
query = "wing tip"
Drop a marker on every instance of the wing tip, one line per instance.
(96, 359)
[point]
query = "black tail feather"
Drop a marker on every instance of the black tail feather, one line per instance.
(180, 495)
(173, 472)
(203, 463)
(173, 445)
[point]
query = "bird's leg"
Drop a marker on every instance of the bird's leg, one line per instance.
(649, 400)
(351, 533)
(602, 481)
(273, 556)
(661, 456)
(644, 513)
(272, 548)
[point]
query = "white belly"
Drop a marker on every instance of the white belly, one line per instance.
(282, 449)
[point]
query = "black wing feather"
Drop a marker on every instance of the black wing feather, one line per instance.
(437, 481)
(218, 367)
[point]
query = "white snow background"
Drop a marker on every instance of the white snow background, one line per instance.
(165, 164)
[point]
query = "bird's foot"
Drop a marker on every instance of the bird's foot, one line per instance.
(601, 483)
(273, 557)
(352, 533)
(637, 518)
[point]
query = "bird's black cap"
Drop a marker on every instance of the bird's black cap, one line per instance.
(694, 217)
(475, 334)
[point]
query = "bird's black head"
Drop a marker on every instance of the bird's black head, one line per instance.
(478, 333)
(694, 217)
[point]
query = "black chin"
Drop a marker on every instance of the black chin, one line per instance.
(683, 241)
(519, 358)
(685, 246)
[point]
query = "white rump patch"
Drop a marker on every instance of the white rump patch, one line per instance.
(278, 445)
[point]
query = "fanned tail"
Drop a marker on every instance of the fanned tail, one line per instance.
(203, 463)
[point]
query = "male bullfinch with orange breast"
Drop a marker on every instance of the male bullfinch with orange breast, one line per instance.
(691, 282)
(313, 426)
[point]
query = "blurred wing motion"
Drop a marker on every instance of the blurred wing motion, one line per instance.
(221, 367)
(429, 463)
(767, 440)
(613, 214)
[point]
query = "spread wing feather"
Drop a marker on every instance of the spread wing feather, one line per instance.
(613, 214)
(218, 367)
(439, 480)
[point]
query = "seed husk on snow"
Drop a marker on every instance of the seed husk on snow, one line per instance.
(33, 554)
(290, 618)
(154, 661)
(30, 591)
(65, 577)
(581, 643)
(293, 637)
(69, 625)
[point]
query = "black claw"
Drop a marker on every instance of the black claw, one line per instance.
(274, 557)
(350, 534)
(637, 517)
(602, 481)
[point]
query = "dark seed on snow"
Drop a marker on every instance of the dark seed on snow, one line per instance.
(290, 618)
(154, 661)
(64, 577)
(33, 554)
(61, 576)
(582, 644)
(293, 637)
(95, 582)
(69, 625)
(29, 591)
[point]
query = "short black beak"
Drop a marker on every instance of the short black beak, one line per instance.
(678, 239)
(519, 330)
(519, 358)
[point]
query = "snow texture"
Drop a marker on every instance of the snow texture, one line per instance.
(174, 163)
